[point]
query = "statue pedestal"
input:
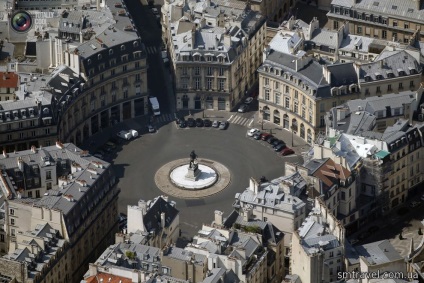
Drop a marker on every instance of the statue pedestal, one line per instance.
(193, 173)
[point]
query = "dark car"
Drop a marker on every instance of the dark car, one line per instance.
(266, 136)
(277, 142)
(183, 123)
(199, 122)
(178, 120)
(243, 108)
(115, 140)
(279, 147)
(207, 123)
(271, 140)
(191, 122)
(257, 136)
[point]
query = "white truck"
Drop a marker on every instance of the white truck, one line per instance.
(127, 135)
(154, 103)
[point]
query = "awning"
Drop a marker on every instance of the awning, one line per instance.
(382, 154)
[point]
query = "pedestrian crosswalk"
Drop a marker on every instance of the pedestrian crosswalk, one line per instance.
(233, 119)
(152, 49)
(240, 120)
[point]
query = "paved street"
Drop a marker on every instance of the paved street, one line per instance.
(150, 33)
(137, 162)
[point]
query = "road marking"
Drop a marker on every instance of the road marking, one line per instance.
(250, 123)
(236, 119)
(230, 118)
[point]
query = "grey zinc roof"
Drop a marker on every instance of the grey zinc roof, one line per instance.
(216, 275)
(393, 63)
(144, 256)
(342, 74)
(284, 43)
(181, 254)
(399, 8)
(377, 253)
(325, 37)
(152, 218)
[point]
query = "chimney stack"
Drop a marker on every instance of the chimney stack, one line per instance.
(162, 220)
(33, 149)
(4, 153)
(20, 164)
(254, 185)
(218, 217)
(59, 144)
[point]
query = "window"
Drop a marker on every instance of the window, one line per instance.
(395, 24)
(184, 71)
(137, 65)
(411, 83)
(184, 83)
(303, 112)
(287, 89)
(336, 25)
(12, 211)
(378, 89)
(321, 121)
(112, 72)
(266, 81)
(196, 71)
(277, 98)
(12, 221)
(384, 33)
(209, 71)
(221, 84)
(48, 186)
(197, 83)
(359, 30)
(394, 35)
(209, 83)
(400, 85)
(406, 25)
(389, 87)
(287, 102)
(126, 93)
(124, 68)
(296, 94)
(221, 71)
(266, 94)
(277, 85)
(296, 107)
(137, 77)
(48, 175)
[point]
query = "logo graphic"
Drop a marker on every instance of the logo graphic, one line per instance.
(21, 21)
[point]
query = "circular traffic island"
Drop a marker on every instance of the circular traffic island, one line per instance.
(185, 180)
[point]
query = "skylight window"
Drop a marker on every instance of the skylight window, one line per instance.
(375, 3)
(394, 7)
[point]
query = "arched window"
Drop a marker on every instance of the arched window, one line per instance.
(99, 56)
(294, 125)
(309, 136)
(110, 51)
(276, 117)
(302, 131)
(122, 47)
(266, 113)
(286, 122)
(135, 43)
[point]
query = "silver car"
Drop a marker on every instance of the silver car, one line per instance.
(215, 124)
(223, 125)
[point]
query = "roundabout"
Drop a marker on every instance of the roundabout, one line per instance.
(170, 179)
(138, 166)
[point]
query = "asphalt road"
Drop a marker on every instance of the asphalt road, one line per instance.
(137, 162)
(150, 33)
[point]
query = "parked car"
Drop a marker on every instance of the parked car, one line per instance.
(199, 122)
(248, 100)
(133, 133)
(191, 123)
(287, 151)
(257, 136)
(223, 125)
(266, 136)
(207, 123)
(414, 204)
(243, 108)
(115, 140)
(110, 144)
(182, 123)
(124, 135)
(277, 142)
(215, 124)
(279, 147)
(253, 132)
(271, 140)
(151, 128)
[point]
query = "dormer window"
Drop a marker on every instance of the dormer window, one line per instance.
(110, 51)
(390, 74)
(46, 111)
(99, 56)
(367, 78)
(135, 43)
(412, 71)
(122, 47)
(15, 114)
(23, 112)
(7, 115)
(89, 61)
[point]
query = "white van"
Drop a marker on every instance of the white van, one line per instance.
(124, 135)
(134, 133)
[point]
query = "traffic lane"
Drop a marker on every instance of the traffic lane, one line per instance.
(139, 160)
(145, 22)
(156, 81)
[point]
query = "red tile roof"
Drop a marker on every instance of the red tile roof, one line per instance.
(8, 79)
(107, 278)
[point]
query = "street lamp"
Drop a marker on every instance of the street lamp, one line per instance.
(262, 120)
(292, 131)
